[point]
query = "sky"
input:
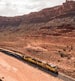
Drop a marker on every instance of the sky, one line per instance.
(21, 7)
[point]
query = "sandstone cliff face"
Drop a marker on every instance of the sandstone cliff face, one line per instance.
(48, 18)
(47, 14)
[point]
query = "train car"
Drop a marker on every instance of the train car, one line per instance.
(11, 52)
(51, 67)
(41, 63)
(48, 66)
(29, 59)
(32, 60)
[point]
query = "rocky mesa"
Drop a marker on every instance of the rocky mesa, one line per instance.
(48, 35)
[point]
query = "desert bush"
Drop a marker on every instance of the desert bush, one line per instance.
(62, 54)
(0, 79)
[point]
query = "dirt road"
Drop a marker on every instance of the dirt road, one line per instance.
(12, 69)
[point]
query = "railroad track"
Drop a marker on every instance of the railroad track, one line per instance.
(14, 54)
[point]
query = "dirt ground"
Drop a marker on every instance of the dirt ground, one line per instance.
(56, 50)
(12, 69)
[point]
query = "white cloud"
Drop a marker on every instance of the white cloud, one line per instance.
(20, 7)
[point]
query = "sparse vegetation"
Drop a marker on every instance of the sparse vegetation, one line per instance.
(65, 51)
(1, 80)
(50, 28)
(62, 54)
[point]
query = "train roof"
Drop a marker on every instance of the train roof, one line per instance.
(52, 65)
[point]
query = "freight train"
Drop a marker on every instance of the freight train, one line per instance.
(43, 64)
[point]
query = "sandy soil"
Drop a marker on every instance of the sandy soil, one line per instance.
(56, 50)
(12, 69)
